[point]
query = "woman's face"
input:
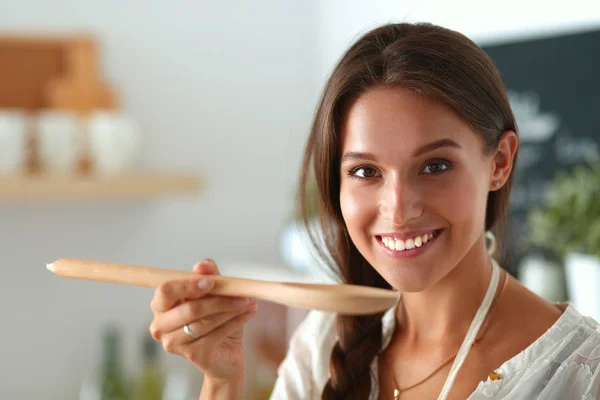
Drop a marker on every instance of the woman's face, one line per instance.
(415, 179)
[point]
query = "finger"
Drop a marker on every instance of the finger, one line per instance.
(227, 329)
(177, 341)
(170, 293)
(206, 267)
(199, 351)
(206, 326)
(195, 310)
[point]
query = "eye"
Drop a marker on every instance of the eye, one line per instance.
(363, 172)
(436, 167)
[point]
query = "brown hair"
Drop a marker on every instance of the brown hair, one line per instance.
(429, 60)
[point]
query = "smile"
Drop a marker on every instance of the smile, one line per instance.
(410, 247)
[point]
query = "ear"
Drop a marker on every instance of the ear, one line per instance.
(503, 159)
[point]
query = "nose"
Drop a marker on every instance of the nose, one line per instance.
(399, 202)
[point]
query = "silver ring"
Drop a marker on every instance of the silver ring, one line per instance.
(190, 333)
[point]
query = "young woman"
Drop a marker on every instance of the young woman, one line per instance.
(413, 148)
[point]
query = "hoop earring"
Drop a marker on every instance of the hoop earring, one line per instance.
(491, 249)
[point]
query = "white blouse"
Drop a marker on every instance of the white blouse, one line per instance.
(563, 363)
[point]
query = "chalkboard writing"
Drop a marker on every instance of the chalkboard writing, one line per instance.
(553, 85)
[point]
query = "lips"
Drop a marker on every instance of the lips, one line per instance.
(407, 244)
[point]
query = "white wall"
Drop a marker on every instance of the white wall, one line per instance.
(342, 21)
(222, 88)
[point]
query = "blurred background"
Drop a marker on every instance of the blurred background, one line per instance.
(159, 134)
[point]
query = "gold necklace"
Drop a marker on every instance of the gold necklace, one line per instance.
(493, 376)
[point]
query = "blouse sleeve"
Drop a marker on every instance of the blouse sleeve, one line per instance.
(578, 376)
(305, 369)
(568, 369)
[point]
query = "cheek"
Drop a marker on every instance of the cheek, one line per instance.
(358, 208)
(462, 204)
(350, 206)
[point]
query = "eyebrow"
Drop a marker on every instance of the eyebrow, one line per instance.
(353, 155)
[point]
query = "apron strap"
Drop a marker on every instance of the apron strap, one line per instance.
(482, 312)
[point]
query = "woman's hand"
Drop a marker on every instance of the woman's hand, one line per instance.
(217, 321)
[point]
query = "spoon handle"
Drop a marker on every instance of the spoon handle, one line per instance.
(135, 275)
(346, 299)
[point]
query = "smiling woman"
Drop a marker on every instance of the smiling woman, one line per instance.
(413, 149)
(412, 170)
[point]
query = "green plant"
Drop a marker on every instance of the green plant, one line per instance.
(569, 221)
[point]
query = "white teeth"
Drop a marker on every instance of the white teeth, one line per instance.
(408, 244)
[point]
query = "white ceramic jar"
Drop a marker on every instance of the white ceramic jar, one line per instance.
(13, 141)
(114, 141)
(58, 141)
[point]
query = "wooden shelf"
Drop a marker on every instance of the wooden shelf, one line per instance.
(129, 186)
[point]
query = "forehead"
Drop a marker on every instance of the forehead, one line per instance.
(395, 118)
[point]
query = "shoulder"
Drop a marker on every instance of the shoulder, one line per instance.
(305, 369)
(579, 340)
(573, 333)
(563, 363)
(574, 356)
(314, 339)
(572, 338)
(586, 340)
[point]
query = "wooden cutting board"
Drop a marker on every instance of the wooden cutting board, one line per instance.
(52, 71)
(80, 89)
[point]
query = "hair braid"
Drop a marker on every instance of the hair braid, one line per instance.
(359, 340)
(432, 61)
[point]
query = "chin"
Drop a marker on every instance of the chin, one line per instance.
(408, 281)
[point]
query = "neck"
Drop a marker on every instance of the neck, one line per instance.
(444, 312)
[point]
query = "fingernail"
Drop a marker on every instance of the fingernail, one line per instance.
(205, 284)
(240, 302)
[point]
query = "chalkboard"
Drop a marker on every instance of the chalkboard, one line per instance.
(554, 90)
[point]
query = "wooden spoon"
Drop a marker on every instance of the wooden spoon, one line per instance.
(339, 298)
